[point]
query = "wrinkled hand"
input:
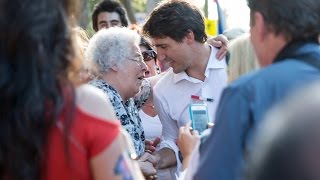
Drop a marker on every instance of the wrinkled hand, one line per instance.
(153, 159)
(147, 168)
(150, 146)
(220, 42)
(187, 140)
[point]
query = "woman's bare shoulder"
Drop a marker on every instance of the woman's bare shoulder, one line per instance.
(94, 102)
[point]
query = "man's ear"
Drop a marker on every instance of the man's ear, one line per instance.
(189, 37)
(261, 27)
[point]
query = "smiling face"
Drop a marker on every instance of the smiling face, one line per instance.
(108, 19)
(151, 64)
(174, 53)
(131, 73)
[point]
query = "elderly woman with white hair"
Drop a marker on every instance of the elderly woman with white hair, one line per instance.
(119, 67)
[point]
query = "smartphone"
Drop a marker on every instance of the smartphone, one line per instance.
(199, 117)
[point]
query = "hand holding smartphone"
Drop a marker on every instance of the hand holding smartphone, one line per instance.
(199, 117)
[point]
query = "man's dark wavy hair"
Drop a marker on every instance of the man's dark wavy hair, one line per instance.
(175, 19)
(36, 56)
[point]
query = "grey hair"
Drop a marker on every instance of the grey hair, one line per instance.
(111, 47)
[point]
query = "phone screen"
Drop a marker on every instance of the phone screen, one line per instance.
(199, 117)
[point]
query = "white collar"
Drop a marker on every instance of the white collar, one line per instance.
(213, 63)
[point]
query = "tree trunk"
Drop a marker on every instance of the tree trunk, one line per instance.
(130, 12)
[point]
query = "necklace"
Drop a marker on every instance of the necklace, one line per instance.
(149, 105)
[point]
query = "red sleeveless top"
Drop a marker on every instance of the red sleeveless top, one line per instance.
(88, 137)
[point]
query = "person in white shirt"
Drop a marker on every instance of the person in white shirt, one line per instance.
(178, 31)
(149, 117)
(242, 59)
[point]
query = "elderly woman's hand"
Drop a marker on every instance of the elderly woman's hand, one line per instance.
(147, 168)
(220, 42)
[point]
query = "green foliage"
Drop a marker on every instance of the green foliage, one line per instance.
(139, 5)
(89, 28)
(92, 3)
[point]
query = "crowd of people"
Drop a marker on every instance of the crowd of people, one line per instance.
(117, 105)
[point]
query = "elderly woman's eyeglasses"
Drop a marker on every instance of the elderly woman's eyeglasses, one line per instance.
(149, 55)
(138, 60)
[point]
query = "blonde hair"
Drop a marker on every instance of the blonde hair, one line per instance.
(81, 40)
(242, 57)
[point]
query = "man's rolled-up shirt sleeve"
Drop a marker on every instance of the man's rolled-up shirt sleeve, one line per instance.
(170, 127)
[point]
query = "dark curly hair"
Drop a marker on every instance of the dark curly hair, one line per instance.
(36, 57)
(109, 6)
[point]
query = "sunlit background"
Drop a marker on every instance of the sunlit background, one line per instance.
(235, 13)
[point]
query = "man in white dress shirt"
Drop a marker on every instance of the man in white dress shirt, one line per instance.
(177, 29)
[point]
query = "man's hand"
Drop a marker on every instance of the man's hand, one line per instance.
(150, 146)
(220, 42)
(164, 158)
(153, 159)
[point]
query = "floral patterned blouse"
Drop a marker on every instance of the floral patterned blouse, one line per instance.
(128, 112)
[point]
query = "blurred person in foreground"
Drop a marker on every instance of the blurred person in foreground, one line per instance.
(284, 35)
(177, 30)
(287, 145)
(49, 128)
